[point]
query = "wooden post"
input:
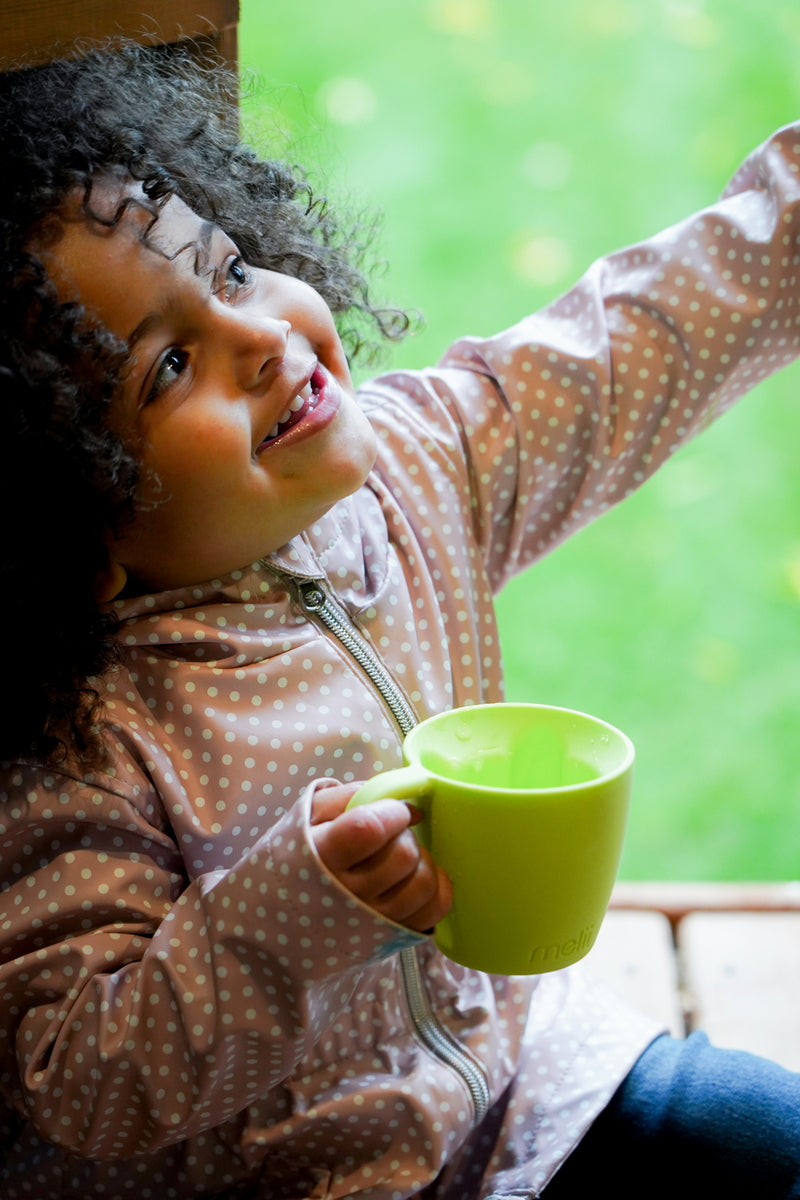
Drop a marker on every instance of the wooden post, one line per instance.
(36, 31)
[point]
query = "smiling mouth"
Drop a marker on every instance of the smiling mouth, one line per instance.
(303, 403)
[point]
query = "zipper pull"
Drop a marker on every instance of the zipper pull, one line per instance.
(312, 596)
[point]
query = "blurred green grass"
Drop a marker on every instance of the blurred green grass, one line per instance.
(509, 143)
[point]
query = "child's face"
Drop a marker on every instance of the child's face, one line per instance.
(223, 354)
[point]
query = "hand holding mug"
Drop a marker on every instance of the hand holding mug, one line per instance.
(525, 809)
(374, 854)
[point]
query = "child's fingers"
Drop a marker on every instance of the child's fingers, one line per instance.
(373, 853)
(331, 801)
(383, 872)
(420, 900)
(354, 836)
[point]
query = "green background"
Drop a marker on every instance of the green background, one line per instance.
(508, 143)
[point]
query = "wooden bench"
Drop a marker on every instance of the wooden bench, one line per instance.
(724, 958)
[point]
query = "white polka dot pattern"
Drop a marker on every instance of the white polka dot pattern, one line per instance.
(191, 1003)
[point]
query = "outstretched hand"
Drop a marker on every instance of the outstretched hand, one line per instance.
(373, 853)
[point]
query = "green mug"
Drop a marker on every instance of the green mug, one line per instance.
(525, 808)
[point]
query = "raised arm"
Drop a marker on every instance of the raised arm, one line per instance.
(570, 410)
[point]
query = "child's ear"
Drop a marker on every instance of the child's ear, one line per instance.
(109, 582)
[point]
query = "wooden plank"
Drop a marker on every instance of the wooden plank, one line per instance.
(677, 900)
(38, 29)
(226, 44)
(742, 975)
(634, 955)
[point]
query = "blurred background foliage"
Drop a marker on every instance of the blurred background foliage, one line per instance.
(507, 144)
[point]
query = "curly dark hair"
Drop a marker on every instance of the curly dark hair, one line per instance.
(68, 480)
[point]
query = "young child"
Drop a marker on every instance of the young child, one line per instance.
(230, 587)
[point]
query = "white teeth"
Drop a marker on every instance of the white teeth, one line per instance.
(302, 398)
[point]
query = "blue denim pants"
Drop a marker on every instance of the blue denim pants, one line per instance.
(692, 1121)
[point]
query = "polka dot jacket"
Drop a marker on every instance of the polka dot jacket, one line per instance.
(191, 1005)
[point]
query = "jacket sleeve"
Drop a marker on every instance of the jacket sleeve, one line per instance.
(145, 1008)
(566, 413)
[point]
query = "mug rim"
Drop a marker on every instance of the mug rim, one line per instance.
(625, 765)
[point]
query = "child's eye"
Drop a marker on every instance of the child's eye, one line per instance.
(172, 365)
(236, 276)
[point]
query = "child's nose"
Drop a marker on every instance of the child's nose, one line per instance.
(257, 343)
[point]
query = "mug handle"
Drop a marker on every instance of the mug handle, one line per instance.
(404, 783)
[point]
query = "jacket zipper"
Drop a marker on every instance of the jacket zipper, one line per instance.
(334, 618)
(437, 1039)
(433, 1035)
